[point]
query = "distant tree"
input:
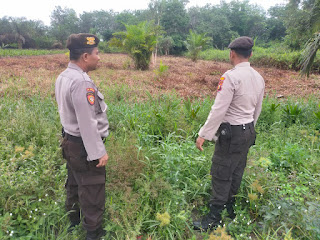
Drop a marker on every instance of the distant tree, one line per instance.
(21, 33)
(195, 43)
(125, 18)
(5, 25)
(245, 19)
(165, 44)
(14, 32)
(156, 9)
(297, 23)
(276, 29)
(213, 21)
(175, 21)
(63, 23)
(102, 23)
(138, 41)
(313, 44)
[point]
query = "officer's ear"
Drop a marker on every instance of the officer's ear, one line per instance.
(85, 56)
(232, 54)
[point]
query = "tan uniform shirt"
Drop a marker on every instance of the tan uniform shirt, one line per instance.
(82, 109)
(238, 101)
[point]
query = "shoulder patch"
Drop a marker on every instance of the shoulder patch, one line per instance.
(90, 90)
(220, 83)
(90, 96)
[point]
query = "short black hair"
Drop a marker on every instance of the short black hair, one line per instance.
(75, 54)
(243, 52)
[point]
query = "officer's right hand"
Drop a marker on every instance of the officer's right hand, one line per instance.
(103, 160)
(199, 143)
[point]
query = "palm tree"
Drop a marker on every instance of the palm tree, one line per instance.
(138, 41)
(313, 44)
(195, 43)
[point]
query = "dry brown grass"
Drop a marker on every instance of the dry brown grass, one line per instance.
(35, 75)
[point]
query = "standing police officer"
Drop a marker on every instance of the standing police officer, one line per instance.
(83, 116)
(231, 125)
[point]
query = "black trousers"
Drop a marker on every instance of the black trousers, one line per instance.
(85, 184)
(229, 160)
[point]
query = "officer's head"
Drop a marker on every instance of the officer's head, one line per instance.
(84, 50)
(240, 49)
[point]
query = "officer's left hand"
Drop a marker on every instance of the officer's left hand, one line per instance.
(103, 160)
(199, 143)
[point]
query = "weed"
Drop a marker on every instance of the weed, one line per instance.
(155, 168)
(192, 111)
(317, 115)
(269, 114)
(291, 113)
(161, 71)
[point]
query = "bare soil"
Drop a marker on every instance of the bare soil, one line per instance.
(186, 78)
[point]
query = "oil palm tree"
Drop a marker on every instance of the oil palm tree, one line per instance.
(195, 43)
(138, 41)
(313, 44)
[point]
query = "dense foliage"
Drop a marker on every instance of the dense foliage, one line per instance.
(195, 44)
(277, 56)
(157, 180)
(138, 41)
(290, 23)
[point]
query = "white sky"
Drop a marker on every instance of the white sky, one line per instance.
(42, 9)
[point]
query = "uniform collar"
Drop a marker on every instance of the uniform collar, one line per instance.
(74, 66)
(243, 64)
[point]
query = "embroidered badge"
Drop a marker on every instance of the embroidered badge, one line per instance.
(220, 83)
(90, 96)
(90, 90)
(91, 41)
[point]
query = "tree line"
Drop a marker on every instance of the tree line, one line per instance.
(291, 24)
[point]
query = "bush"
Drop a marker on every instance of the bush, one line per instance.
(156, 176)
(278, 57)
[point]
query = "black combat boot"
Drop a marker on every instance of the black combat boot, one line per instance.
(211, 220)
(96, 234)
(74, 217)
(230, 210)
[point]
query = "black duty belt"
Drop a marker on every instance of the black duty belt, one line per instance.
(73, 138)
(77, 139)
(243, 126)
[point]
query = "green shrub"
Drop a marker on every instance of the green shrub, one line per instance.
(276, 56)
(157, 179)
(291, 113)
(27, 52)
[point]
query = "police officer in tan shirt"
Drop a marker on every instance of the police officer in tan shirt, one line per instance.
(83, 116)
(231, 125)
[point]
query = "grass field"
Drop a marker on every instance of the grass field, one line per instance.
(276, 57)
(157, 181)
(27, 52)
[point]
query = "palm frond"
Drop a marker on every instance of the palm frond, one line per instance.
(309, 54)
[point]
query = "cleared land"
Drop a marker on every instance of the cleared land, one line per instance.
(188, 79)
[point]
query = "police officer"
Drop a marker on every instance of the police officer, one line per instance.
(230, 125)
(83, 116)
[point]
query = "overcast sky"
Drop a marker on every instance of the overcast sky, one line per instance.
(41, 9)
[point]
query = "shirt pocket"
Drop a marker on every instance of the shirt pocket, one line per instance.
(101, 105)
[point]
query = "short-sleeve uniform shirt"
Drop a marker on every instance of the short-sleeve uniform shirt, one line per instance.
(82, 109)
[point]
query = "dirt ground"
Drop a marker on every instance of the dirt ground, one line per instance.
(188, 79)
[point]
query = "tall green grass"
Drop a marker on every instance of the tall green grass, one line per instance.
(157, 180)
(277, 56)
(28, 52)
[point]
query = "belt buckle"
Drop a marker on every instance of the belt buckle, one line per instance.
(243, 126)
